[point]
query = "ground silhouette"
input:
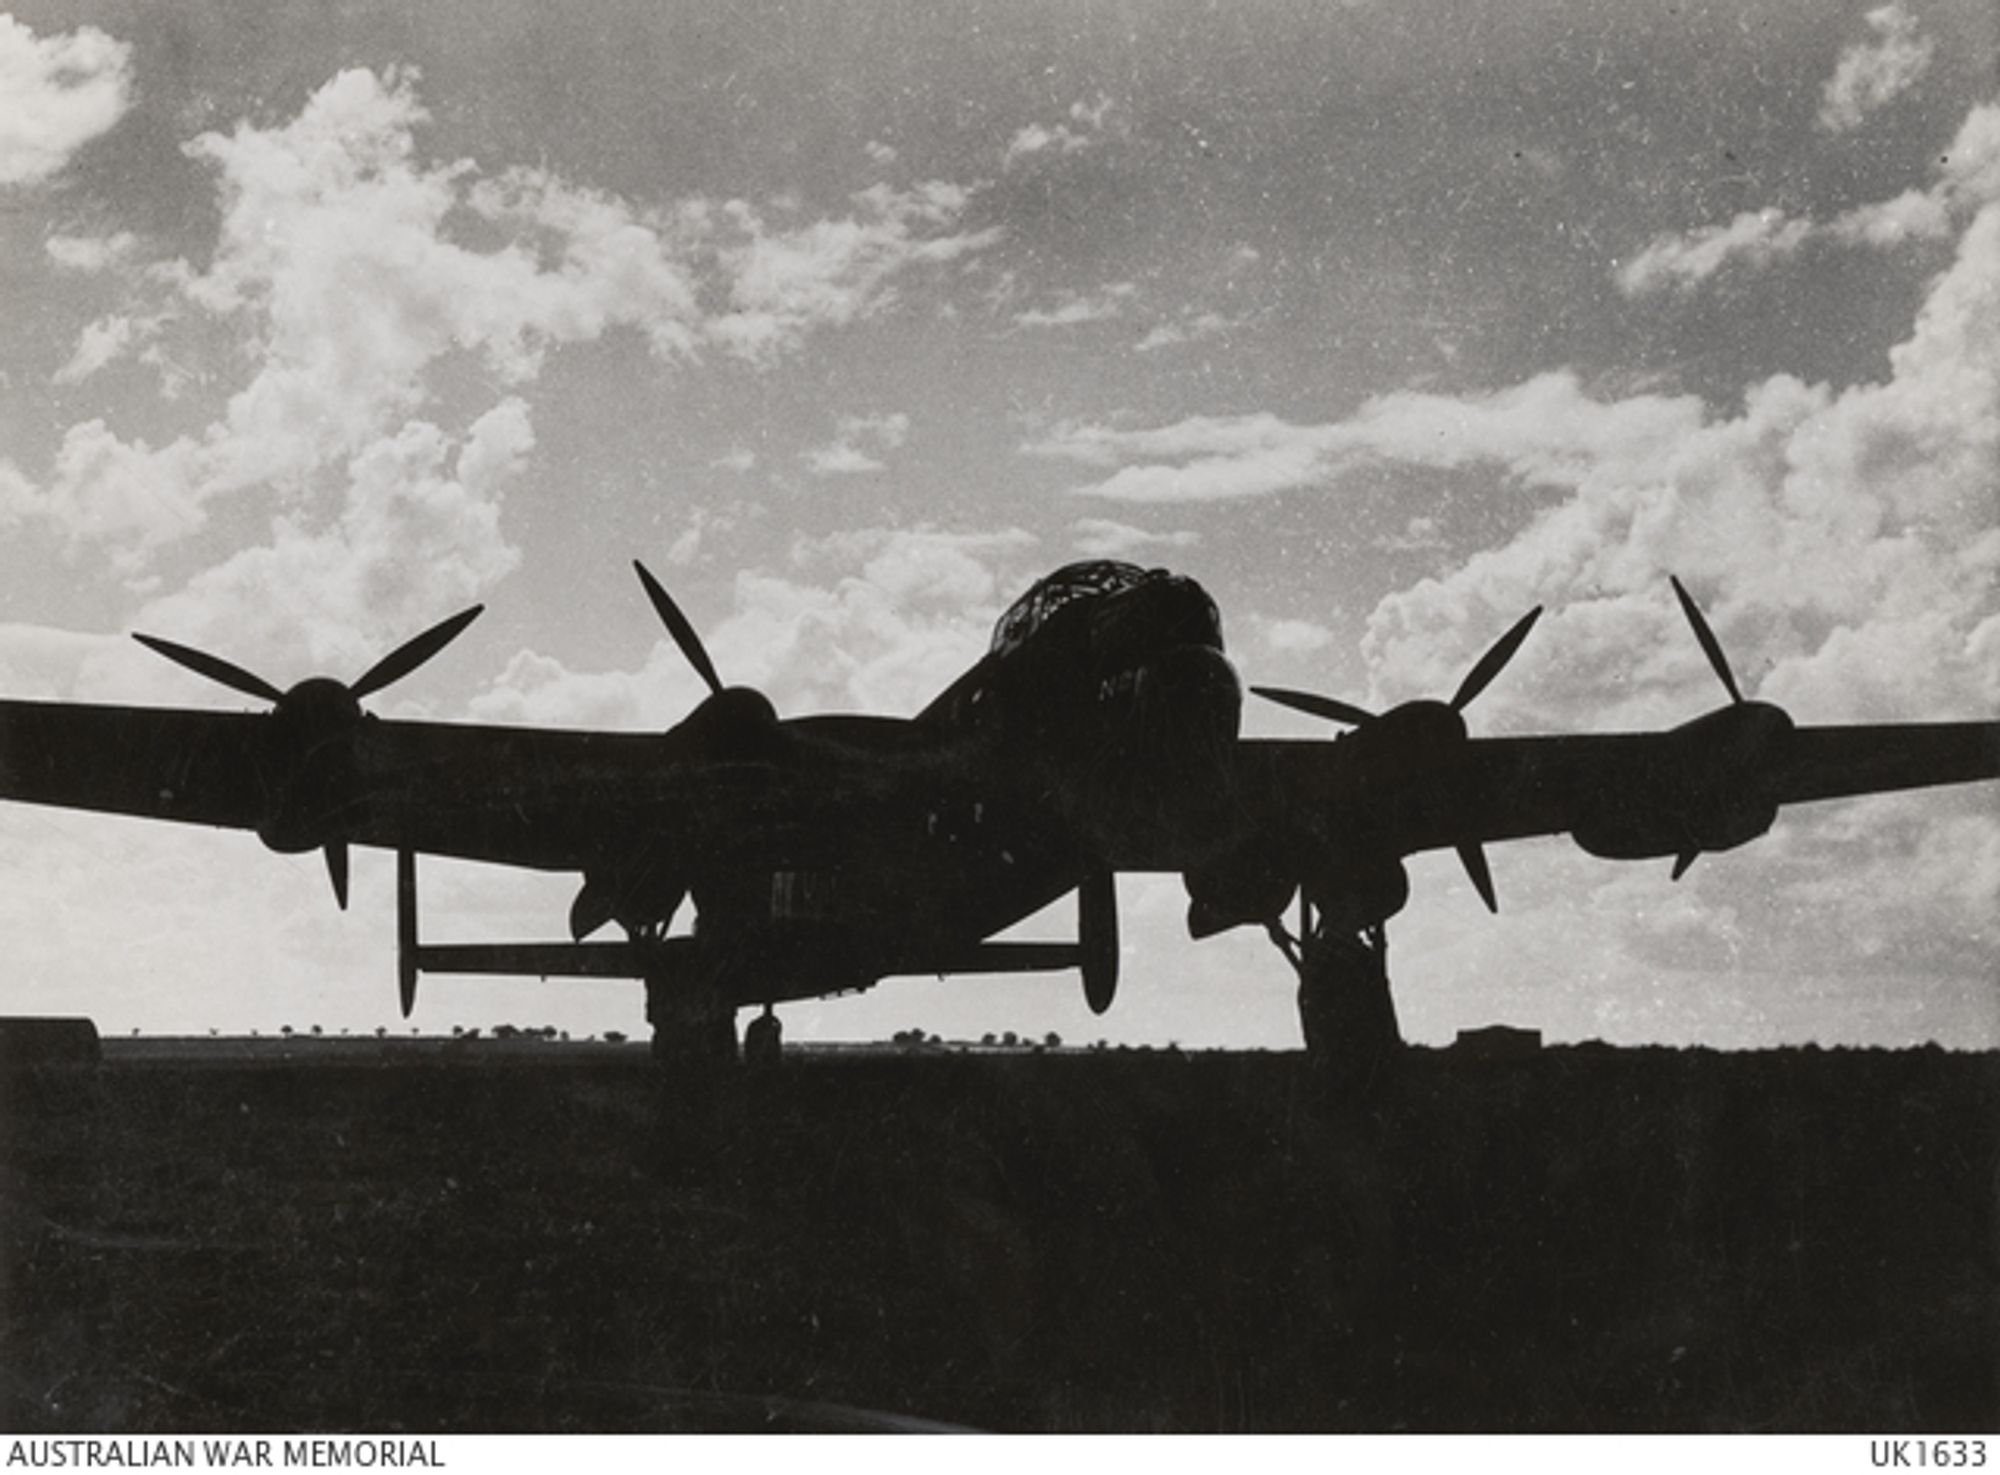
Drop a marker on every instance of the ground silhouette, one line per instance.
(526, 1235)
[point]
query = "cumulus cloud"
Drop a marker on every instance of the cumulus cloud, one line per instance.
(418, 534)
(1812, 515)
(345, 266)
(1874, 73)
(857, 445)
(785, 282)
(875, 620)
(1845, 544)
(62, 91)
(1965, 177)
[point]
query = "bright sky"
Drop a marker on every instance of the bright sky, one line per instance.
(1386, 321)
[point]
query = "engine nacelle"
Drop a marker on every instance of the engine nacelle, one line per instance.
(1247, 887)
(1629, 835)
(736, 725)
(307, 763)
(1707, 793)
(1356, 891)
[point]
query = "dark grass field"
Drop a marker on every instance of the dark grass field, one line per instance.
(367, 1237)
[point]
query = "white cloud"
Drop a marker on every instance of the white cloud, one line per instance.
(1075, 308)
(857, 444)
(1034, 138)
(1097, 537)
(1074, 135)
(338, 264)
(786, 282)
(874, 620)
(417, 536)
(1755, 236)
(1967, 176)
(62, 91)
(1191, 328)
(98, 344)
(1291, 637)
(1845, 545)
(1546, 431)
(91, 254)
(1874, 73)
(41, 664)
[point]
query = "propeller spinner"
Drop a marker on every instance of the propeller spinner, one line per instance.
(324, 705)
(1471, 854)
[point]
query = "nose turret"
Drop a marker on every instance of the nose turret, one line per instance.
(1163, 612)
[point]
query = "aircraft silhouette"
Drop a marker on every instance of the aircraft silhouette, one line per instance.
(1098, 734)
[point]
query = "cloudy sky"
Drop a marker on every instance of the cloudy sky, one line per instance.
(1385, 321)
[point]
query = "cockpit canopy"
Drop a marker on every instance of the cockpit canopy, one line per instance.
(1065, 586)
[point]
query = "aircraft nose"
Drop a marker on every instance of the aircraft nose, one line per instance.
(1166, 611)
(1188, 614)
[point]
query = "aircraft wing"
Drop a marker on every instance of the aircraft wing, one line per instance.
(1663, 792)
(542, 798)
(193, 767)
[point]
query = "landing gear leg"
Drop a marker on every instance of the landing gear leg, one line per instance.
(694, 1031)
(1346, 1011)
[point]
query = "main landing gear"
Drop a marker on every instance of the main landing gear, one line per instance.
(694, 1030)
(1345, 1009)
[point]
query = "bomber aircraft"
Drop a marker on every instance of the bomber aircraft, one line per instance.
(822, 854)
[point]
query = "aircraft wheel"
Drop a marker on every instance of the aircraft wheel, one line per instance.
(763, 1042)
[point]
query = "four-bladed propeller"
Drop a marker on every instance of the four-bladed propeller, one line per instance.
(324, 706)
(1471, 855)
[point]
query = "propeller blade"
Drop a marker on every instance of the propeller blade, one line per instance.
(1331, 708)
(213, 667)
(678, 627)
(1710, 646)
(336, 869)
(411, 654)
(1473, 857)
(593, 907)
(1494, 661)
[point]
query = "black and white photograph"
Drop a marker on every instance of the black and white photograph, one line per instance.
(1052, 717)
